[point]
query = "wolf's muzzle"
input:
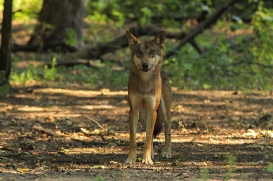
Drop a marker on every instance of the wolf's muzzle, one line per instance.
(145, 67)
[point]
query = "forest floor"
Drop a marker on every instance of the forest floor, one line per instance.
(50, 133)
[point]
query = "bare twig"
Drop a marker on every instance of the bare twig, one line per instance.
(92, 119)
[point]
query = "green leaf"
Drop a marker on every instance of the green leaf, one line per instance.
(146, 11)
(4, 89)
(270, 167)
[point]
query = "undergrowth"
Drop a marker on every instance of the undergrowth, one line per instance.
(235, 56)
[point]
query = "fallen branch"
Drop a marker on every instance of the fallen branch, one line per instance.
(201, 27)
(118, 43)
(104, 48)
(47, 131)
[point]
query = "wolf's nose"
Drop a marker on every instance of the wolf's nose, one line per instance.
(145, 65)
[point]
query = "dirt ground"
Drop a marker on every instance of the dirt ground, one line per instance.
(55, 134)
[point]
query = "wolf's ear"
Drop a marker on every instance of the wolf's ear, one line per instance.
(160, 38)
(132, 39)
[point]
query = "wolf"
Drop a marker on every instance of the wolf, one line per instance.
(149, 96)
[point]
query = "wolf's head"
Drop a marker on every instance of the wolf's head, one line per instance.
(146, 54)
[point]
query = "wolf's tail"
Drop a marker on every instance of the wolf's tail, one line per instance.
(158, 127)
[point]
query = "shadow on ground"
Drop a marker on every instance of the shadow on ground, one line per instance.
(56, 134)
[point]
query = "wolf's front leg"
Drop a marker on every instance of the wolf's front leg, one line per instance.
(166, 151)
(133, 119)
(147, 149)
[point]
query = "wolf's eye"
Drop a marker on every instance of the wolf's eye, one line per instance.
(152, 52)
(139, 53)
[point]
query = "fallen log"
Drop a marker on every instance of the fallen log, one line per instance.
(121, 42)
(104, 48)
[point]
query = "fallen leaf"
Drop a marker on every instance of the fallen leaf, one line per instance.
(99, 166)
(23, 170)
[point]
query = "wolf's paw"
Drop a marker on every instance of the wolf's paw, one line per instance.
(147, 160)
(131, 159)
(166, 152)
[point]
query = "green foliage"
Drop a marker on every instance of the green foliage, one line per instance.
(35, 74)
(270, 167)
(100, 11)
(229, 61)
(99, 178)
(230, 167)
(2, 76)
(243, 62)
(27, 75)
(98, 18)
(100, 76)
(146, 12)
(205, 174)
(177, 161)
(146, 16)
(166, 12)
(4, 87)
(51, 73)
(139, 159)
(25, 9)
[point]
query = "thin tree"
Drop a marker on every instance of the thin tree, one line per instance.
(5, 61)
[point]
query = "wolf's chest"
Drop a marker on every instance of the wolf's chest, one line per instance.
(143, 100)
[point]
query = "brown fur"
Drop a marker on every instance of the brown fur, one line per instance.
(149, 95)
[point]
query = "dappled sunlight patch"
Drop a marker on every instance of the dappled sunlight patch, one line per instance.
(31, 109)
(96, 150)
(93, 107)
(80, 93)
(86, 129)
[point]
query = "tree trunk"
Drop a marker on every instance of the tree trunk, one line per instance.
(5, 62)
(60, 25)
